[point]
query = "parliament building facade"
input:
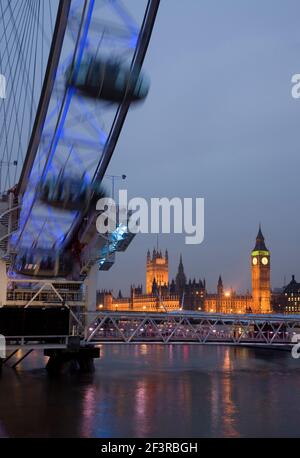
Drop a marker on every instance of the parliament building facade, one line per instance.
(162, 295)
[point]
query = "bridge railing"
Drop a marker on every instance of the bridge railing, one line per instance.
(190, 327)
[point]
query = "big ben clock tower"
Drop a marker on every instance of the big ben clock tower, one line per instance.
(260, 265)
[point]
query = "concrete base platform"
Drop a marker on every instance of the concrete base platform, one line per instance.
(68, 361)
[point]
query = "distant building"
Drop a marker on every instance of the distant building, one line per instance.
(157, 270)
(261, 289)
(287, 300)
(180, 281)
(159, 296)
(162, 295)
(138, 302)
(227, 301)
(195, 296)
(191, 293)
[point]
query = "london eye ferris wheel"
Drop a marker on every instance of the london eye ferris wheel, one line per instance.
(72, 69)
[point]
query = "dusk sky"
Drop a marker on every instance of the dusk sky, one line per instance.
(219, 123)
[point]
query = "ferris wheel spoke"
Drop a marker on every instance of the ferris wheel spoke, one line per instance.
(24, 46)
(21, 94)
(51, 127)
(9, 107)
(9, 110)
(13, 93)
(124, 14)
(10, 18)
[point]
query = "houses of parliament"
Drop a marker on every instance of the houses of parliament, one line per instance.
(163, 295)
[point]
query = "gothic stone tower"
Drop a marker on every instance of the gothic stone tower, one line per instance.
(260, 265)
(180, 279)
(157, 268)
(220, 293)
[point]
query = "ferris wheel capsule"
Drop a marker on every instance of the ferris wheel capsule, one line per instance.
(43, 263)
(70, 193)
(88, 54)
(108, 80)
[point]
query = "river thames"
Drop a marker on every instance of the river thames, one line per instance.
(177, 391)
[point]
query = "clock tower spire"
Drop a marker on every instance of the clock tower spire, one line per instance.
(260, 265)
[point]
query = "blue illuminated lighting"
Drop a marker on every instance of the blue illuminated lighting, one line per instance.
(70, 91)
(59, 131)
(102, 135)
(55, 145)
(52, 114)
(118, 241)
(126, 18)
(134, 41)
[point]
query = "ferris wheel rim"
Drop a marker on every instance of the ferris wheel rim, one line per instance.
(53, 62)
(145, 30)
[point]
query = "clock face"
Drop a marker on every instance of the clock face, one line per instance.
(254, 261)
(264, 261)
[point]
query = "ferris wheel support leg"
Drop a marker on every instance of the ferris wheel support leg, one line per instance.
(3, 283)
(91, 283)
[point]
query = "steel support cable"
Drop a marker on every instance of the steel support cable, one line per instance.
(13, 34)
(2, 55)
(42, 54)
(24, 81)
(10, 17)
(11, 100)
(34, 68)
(5, 123)
(51, 17)
(23, 61)
(42, 57)
(22, 95)
(13, 76)
(5, 8)
(36, 17)
(25, 103)
(13, 90)
(5, 130)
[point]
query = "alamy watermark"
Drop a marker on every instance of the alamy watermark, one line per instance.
(2, 86)
(296, 347)
(159, 215)
(2, 347)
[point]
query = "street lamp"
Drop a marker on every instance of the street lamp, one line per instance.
(113, 179)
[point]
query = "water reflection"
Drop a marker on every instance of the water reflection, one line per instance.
(89, 410)
(157, 391)
(227, 397)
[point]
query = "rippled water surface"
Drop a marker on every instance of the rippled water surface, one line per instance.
(157, 391)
